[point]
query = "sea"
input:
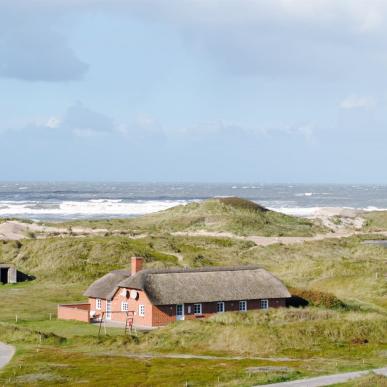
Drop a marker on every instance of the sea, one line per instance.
(58, 201)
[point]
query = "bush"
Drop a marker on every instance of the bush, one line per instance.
(243, 204)
(303, 297)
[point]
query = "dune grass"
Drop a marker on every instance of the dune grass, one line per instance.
(352, 271)
(349, 335)
(375, 221)
(235, 215)
(47, 365)
(318, 341)
(79, 259)
(294, 333)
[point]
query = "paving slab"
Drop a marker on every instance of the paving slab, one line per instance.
(328, 380)
(6, 354)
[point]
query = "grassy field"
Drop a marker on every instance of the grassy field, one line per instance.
(308, 342)
(235, 215)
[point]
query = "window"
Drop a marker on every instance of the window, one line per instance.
(264, 304)
(98, 304)
(108, 314)
(124, 306)
(243, 306)
(220, 307)
(141, 310)
(197, 308)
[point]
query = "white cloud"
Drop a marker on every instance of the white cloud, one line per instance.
(357, 102)
(258, 37)
(53, 122)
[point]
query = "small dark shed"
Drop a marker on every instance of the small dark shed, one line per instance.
(8, 273)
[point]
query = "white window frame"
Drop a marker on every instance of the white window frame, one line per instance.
(124, 306)
(200, 309)
(141, 310)
(264, 304)
(223, 308)
(108, 313)
(98, 304)
(242, 306)
(181, 316)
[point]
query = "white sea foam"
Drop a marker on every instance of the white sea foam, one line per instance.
(310, 212)
(94, 207)
(297, 211)
(119, 208)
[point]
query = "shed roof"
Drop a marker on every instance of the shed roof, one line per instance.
(106, 286)
(178, 286)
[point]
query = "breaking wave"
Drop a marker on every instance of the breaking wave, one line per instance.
(90, 208)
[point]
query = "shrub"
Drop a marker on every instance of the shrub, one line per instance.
(303, 297)
(243, 204)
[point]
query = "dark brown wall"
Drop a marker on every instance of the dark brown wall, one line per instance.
(165, 314)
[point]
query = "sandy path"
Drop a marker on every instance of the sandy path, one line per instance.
(6, 354)
(329, 379)
(15, 230)
(266, 241)
(191, 356)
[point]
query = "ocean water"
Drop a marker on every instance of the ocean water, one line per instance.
(59, 201)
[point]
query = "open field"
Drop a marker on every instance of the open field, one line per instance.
(300, 343)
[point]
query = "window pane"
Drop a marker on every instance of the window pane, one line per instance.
(197, 308)
(141, 310)
(242, 306)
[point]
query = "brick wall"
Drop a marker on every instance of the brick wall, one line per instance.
(164, 314)
(122, 295)
(80, 312)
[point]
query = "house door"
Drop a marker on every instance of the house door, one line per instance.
(180, 312)
(108, 314)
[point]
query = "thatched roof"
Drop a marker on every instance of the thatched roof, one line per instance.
(106, 286)
(178, 286)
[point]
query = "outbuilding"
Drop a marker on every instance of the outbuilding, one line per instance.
(8, 274)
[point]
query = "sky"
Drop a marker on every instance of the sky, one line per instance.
(265, 91)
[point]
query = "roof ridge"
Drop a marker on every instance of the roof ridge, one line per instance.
(197, 270)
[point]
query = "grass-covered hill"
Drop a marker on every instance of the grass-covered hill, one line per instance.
(232, 214)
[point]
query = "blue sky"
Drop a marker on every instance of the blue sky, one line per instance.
(204, 90)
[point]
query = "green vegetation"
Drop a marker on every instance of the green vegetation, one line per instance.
(52, 366)
(343, 328)
(294, 333)
(78, 259)
(318, 340)
(352, 271)
(316, 298)
(239, 216)
(375, 221)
